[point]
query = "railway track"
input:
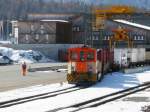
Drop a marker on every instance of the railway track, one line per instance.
(17, 101)
(105, 99)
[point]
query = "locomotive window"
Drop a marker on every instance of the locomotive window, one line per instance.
(90, 56)
(74, 56)
(82, 58)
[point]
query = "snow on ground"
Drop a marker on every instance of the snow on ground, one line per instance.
(5, 42)
(111, 83)
(117, 106)
(19, 56)
(29, 91)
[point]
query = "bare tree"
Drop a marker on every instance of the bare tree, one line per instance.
(18, 9)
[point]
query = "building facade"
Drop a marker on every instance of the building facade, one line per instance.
(74, 28)
(41, 32)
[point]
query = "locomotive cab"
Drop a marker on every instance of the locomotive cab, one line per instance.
(82, 65)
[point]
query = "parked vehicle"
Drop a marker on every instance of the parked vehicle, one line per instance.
(125, 57)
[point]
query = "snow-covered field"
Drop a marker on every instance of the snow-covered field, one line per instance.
(111, 83)
(28, 56)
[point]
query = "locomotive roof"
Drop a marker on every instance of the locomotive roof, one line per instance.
(82, 48)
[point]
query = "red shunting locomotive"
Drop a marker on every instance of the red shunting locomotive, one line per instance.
(87, 65)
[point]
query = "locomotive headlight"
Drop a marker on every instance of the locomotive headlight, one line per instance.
(71, 67)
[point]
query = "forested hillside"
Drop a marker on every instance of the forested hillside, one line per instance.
(18, 9)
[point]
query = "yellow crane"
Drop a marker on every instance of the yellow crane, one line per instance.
(102, 14)
(120, 34)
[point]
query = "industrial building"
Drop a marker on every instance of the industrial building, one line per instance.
(140, 36)
(76, 28)
(41, 32)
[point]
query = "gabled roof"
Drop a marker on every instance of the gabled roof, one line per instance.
(49, 20)
(133, 24)
(52, 16)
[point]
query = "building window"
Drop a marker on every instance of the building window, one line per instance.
(42, 31)
(96, 37)
(105, 38)
(41, 27)
(32, 27)
(93, 37)
(139, 37)
(27, 37)
(88, 38)
(135, 38)
(37, 37)
(76, 28)
(47, 37)
(142, 38)
(108, 37)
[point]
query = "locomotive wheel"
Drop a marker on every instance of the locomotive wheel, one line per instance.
(99, 76)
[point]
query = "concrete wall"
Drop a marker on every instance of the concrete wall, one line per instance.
(49, 50)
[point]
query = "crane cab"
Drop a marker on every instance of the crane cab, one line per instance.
(82, 65)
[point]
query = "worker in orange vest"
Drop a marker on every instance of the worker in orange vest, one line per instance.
(24, 69)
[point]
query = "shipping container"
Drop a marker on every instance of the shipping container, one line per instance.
(122, 56)
(141, 54)
(138, 55)
(126, 56)
(134, 53)
(147, 55)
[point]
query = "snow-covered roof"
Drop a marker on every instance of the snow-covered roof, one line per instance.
(48, 20)
(133, 24)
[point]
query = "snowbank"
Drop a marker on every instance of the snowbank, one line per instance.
(19, 56)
